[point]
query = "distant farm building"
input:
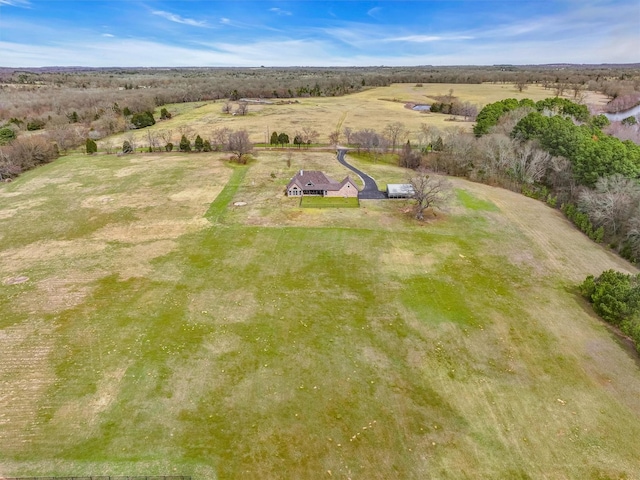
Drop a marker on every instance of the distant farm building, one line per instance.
(399, 190)
(313, 182)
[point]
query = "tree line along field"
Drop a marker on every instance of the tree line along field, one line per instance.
(156, 328)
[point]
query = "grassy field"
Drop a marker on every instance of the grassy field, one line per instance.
(373, 108)
(151, 326)
(329, 202)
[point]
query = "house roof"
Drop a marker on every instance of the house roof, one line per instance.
(316, 180)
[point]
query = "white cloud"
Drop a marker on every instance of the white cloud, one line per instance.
(279, 11)
(428, 38)
(178, 19)
(374, 12)
(15, 3)
(108, 35)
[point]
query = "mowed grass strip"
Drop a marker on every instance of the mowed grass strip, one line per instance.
(329, 202)
(335, 350)
(221, 203)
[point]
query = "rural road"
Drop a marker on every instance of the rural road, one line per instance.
(370, 190)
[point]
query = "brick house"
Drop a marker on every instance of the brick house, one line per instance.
(314, 182)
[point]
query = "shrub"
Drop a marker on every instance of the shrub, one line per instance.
(616, 298)
(7, 135)
(91, 146)
(144, 119)
(126, 147)
(168, 147)
(35, 124)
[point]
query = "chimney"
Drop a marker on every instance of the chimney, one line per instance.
(301, 172)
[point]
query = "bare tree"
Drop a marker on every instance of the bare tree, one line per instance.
(409, 158)
(509, 120)
(108, 146)
(367, 139)
(130, 137)
(529, 163)
(240, 145)
(495, 156)
(220, 137)
(429, 134)
(334, 137)
(347, 133)
(243, 108)
(226, 107)
(166, 136)
(428, 192)
(395, 132)
(309, 135)
(612, 203)
(67, 136)
(522, 82)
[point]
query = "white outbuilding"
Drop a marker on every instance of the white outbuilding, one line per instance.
(399, 190)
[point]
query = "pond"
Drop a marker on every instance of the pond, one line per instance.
(421, 108)
(616, 117)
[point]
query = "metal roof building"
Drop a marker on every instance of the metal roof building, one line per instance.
(399, 190)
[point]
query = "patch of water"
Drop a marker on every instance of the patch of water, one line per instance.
(616, 117)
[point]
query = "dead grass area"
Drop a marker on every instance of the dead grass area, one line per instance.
(372, 108)
(156, 214)
(26, 373)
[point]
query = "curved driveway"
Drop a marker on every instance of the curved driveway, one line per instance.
(370, 190)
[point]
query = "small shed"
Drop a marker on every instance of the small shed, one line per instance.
(399, 190)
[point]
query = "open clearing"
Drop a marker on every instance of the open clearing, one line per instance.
(373, 108)
(151, 326)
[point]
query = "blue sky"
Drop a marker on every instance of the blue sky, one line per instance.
(316, 33)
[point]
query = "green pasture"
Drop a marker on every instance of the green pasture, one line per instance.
(164, 330)
(329, 202)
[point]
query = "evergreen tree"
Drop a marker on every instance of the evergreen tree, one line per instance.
(143, 119)
(199, 144)
(283, 139)
(274, 138)
(91, 146)
(206, 146)
(73, 117)
(185, 144)
(126, 147)
(164, 114)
